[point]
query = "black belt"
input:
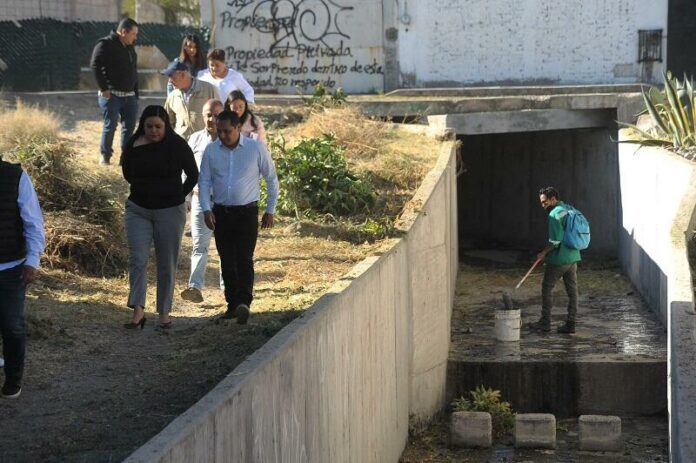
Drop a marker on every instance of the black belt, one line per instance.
(235, 208)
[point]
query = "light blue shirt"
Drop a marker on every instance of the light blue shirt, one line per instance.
(30, 212)
(233, 174)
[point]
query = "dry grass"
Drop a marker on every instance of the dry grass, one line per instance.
(396, 161)
(27, 125)
(81, 206)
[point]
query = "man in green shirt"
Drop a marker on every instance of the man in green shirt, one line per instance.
(561, 262)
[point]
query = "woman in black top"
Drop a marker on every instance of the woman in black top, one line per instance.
(153, 160)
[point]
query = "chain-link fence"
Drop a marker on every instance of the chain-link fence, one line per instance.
(45, 54)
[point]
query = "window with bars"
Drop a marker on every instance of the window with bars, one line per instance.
(650, 45)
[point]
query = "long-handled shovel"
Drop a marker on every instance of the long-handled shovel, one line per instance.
(507, 297)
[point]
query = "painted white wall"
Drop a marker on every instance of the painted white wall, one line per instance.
(522, 41)
(284, 44)
(63, 10)
(289, 44)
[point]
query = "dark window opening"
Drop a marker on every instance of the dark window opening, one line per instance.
(650, 45)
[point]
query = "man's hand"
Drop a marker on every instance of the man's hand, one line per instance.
(209, 219)
(106, 93)
(267, 220)
(29, 274)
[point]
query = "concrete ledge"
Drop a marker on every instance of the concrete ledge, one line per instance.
(471, 429)
(535, 430)
(600, 433)
(518, 90)
(659, 218)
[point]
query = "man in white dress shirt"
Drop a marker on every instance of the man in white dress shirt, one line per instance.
(232, 166)
(22, 242)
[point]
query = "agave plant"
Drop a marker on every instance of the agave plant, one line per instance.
(672, 112)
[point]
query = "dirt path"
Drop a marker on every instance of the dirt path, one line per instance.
(94, 392)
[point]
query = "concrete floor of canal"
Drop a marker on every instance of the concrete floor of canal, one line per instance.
(613, 324)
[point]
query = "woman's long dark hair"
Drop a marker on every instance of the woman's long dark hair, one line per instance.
(198, 62)
(152, 111)
(238, 95)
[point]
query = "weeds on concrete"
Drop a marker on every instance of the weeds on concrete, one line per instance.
(488, 400)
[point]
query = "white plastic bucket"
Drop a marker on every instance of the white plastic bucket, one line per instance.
(507, 325)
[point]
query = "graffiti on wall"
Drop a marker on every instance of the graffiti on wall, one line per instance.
(298, 43)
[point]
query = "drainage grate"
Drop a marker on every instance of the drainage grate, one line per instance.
(650, 45)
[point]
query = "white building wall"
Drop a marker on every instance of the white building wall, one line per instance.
(62, 10)
(454, 42)
(284, 44)
(295, 44)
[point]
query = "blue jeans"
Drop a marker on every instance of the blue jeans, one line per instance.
(125, 107)
(12, 328)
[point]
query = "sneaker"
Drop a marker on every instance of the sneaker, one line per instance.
(566, 328)
(192, 294)
(242, 312)
(104, 161)
(541, 325)
(11, 389)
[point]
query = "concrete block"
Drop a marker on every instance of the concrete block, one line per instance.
(535, 430)
(600, 433)
(471, 429)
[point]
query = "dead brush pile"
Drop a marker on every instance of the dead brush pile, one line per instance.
(83, 217)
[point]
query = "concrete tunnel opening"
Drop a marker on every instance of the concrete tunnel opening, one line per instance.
(507, 157)
(497, 194)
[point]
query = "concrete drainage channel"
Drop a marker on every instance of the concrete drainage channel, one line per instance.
(613, 371)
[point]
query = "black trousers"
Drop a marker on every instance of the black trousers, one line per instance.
(12, 327)
(236, 231)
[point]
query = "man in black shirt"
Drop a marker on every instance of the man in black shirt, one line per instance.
(115, 66)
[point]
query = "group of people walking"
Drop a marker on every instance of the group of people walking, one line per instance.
(202, 152)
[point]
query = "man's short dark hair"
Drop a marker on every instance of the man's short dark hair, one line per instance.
(549, 192)
(127, 24)
(229, 116)
(216, 54)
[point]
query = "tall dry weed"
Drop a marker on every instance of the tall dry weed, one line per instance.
(362, 137)
(83, 214)
(27, 125)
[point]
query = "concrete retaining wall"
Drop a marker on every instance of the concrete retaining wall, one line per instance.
(658, 196)
(343, 382)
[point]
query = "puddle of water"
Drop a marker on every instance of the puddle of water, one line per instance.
(612, 320)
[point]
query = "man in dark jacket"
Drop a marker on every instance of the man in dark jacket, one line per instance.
(21, 245)
(115, 65)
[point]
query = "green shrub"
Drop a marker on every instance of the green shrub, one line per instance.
(673, 117)
(488, 400)
(321, 98)
(314, 177)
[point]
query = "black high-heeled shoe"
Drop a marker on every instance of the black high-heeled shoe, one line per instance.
(132, 326)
